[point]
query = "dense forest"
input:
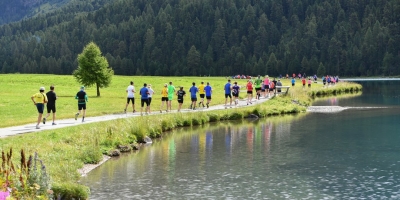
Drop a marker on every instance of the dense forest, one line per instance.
(208, 37)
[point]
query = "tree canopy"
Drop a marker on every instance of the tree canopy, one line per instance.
(346, 37)
(93, 68)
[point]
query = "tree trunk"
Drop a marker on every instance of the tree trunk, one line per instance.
(98, 89)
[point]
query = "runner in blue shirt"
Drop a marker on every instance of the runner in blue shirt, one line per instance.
(227, 89)
(144, 92)
(235, 93)
(208, 91)
(193, 91)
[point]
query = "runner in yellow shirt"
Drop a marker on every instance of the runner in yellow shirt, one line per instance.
(202, 93)
(164, 97)
(39, 99)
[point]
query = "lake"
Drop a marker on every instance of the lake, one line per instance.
(352, 154)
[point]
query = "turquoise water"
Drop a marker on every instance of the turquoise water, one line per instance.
(353, 154)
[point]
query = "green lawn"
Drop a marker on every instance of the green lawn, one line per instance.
(17, 108)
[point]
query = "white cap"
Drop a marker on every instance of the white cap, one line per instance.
(42, 88)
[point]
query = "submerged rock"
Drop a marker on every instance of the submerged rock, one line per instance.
(147, 140)
(252, 116)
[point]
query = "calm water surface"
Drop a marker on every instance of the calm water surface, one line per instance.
(354, 154)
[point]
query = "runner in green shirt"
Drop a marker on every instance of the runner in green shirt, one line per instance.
(258, 82)
(171, 92)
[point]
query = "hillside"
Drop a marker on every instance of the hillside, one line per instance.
(152, 37)
(11, 11)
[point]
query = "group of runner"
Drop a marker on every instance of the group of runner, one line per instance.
(41, 99)
(167, 94)
(263, 87)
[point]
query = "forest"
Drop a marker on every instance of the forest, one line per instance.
(211, 38)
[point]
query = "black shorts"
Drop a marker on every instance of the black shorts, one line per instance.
(82, 106)
(271, 89)
(258, 89)
(143, 101)
(236, 95)
(249, 92)
(180, 100)
(202, 96)
(51, 108)
(266, 87)
(194, 99)
(292, 84)
(149, 99)
(164, 98)
(228, 95)
(40, 107)
(309, 85)
(208, 97)
(262, 90)
(130, 99)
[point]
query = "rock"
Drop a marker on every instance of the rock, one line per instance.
(135, 146)
(147, 140)
(252, 116)
(124, 148)
(114, 153)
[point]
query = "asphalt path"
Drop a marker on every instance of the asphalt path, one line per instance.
(29, 128)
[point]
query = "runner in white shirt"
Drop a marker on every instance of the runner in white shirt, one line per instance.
(131, 96)
(150, 95)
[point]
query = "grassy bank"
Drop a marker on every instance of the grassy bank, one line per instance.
(66, 150)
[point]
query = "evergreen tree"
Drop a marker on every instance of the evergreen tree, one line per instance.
(93, 68)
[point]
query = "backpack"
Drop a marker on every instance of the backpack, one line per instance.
(272, 85)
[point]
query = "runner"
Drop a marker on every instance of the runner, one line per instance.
(266, 85)
(309, 82)
(82, 99)
(257, 83)
(271, 88)
(180, 93)
(202, 93)
(151, 92)
(227, 89)
(164, 97)
(293, 82)
(303, 81)
(279, 83)
(171, 91)
(249, 87)
(208, 91)
(51, 104)
(131, 96)
(144, 93)
(235, 93)
(39, 99)
(193, 91)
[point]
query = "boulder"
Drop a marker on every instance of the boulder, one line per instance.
(124, 148)
(252, 116)
(114, 153)
(147, 140)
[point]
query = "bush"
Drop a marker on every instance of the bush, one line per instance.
(213, 117)
(70, 191)
(236, 116)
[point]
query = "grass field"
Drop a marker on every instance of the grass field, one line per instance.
(17, 108)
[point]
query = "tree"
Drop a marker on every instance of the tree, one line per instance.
(93, 68)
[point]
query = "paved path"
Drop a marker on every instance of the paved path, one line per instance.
(28, 128)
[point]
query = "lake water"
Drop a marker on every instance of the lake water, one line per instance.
(353, 154)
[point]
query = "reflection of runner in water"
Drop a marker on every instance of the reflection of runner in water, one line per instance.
(180, 93)
(235, 93)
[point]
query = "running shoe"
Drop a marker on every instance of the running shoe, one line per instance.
(37, 127)
(44, 120)
(207, 105)
(53, 124)
(76, 116)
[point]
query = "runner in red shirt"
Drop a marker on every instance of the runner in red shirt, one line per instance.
(249, 87)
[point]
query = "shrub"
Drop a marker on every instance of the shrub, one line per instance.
(70, 191)
(213, 117)
(236, 116)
